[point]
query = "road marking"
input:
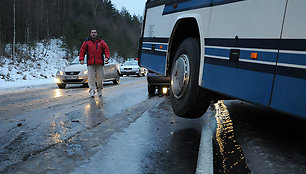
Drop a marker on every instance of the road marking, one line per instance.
(205, 163)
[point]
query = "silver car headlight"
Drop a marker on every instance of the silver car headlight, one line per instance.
(85, 72)
(59, 73)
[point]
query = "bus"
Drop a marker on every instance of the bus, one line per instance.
(251, 50)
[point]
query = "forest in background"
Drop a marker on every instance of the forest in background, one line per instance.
(70, 20)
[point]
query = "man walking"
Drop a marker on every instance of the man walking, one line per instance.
(94, 47)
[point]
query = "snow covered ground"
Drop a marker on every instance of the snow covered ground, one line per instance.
(37, 67)
(6, 86)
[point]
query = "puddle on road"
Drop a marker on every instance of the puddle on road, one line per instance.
(178, 156)
(69, 123)
(58, 93)
(228, 156)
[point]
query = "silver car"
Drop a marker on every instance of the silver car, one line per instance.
(131, 67)
(76, 73)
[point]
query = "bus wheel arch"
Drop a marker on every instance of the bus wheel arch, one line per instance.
(179, 34)
(188, 99)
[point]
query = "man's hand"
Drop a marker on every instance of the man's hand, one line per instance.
(82, 62)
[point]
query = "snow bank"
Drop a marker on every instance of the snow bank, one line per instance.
(38, 65)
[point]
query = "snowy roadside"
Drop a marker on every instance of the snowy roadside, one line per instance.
(19, 85)
(33, 66)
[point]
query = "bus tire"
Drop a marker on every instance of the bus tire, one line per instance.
(188, 99)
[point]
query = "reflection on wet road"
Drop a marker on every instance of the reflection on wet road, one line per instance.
(272, 142)
(93, 109)
(58, 93)
(227, 150)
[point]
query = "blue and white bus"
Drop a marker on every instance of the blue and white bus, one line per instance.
(252, 50)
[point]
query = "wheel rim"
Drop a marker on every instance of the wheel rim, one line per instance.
(180, 76)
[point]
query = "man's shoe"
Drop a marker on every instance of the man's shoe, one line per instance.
(92, 93)
(99, 92)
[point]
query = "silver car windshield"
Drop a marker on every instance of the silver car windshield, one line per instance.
(131, 63)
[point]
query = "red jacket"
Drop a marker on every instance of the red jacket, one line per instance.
(94, 51)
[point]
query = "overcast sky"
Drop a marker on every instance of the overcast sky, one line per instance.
(133, 6)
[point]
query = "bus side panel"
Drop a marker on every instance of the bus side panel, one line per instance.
(240, 83)
(247, 19)
(289, 92)
(243, 28)
(155, 40)
(289, 95)
(156, 63)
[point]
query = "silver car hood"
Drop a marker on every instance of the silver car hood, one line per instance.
(129, 66)
(76, 67)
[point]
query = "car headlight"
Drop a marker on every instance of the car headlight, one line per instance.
(57, 80)
(59, 73)
(85, 72)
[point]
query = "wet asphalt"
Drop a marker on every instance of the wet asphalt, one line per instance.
(272, 142)
(51, 130)
(35, 121)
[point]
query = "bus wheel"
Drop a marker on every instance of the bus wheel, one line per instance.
(188, 99)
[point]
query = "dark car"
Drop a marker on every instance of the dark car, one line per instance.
(159, 82)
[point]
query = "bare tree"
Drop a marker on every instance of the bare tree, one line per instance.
(95, 7)
(48, 25)
(14, 36)
(1, 50)
(28, 24)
